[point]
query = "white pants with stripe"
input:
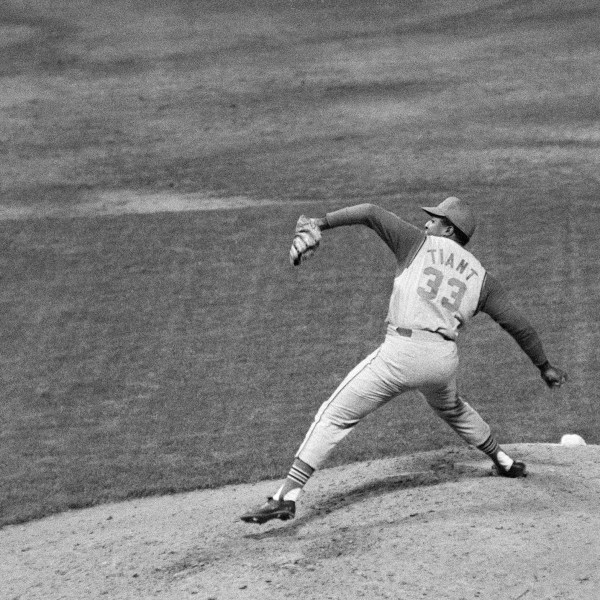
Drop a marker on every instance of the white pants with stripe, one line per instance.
(426, 363)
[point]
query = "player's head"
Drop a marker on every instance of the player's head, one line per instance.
(451, 218)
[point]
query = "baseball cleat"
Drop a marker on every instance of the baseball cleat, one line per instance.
(518, 469)
(273, 509)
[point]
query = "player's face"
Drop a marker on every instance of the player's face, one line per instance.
(436, 226)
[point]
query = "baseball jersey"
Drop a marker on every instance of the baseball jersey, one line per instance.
(439, 285)
(439, 290)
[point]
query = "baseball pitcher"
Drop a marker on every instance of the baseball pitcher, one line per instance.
(438, 287)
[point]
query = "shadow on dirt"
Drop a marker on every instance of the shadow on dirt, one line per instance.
(440, 472)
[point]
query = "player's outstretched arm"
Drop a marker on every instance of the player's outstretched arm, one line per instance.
(401, 237)
(496, 303)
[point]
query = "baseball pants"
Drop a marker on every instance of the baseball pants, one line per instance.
(425, 362)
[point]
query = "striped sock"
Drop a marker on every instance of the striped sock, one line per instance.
(493, 450)
(296, 479)
(299, 475)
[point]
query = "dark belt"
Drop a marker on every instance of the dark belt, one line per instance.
(404, 332)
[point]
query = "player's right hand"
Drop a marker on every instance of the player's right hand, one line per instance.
(553, 376)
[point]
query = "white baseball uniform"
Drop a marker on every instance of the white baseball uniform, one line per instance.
(438, 287)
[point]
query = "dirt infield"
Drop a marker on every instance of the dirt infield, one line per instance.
(432, 525)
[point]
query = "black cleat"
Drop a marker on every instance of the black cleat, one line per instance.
(273, 509)
(518, 469)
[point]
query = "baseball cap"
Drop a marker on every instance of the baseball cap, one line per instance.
(457, 211)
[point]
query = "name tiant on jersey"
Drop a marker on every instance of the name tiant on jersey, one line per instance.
(437, 258)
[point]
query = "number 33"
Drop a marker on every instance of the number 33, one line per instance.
(433, 287)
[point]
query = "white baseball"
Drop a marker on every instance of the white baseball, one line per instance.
(572, 439)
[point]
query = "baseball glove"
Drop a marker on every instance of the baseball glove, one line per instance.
(306, 241)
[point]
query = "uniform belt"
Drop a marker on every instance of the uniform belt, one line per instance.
(420, 334)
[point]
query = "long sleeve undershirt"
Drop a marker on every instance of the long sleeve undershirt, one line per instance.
(404, 240)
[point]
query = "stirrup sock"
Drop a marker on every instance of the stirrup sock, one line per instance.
(493, 450)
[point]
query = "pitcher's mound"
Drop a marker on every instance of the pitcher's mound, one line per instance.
(433, 525)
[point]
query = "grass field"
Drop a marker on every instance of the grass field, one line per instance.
(153, 353)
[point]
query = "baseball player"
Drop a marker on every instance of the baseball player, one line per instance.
(438, 287)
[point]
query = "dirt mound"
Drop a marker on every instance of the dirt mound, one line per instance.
(433, 525)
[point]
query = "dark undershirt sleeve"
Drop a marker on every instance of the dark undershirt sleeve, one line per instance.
(494, 301)
(401, 237)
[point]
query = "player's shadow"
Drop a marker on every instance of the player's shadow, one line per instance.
(437, 475)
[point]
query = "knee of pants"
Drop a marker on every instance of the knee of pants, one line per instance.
(466, 421)
(443, 399)
(449, 412)
(321, 439)
(452, 408)
(340, 418)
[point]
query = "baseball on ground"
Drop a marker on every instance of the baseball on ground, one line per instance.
(572, 439)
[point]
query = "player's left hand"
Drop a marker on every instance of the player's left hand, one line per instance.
(553, 376)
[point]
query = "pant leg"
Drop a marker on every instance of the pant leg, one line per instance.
(461, 416)
(367, 387)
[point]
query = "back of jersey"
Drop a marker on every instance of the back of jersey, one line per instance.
(440, 289)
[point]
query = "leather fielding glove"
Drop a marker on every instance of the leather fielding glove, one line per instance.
(306, 240)
(552, 376)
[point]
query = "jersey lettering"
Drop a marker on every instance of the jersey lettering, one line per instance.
(462, 265)
(437, 258)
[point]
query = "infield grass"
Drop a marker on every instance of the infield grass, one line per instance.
(156, 353)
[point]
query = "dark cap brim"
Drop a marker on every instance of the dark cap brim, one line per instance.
(433, 210)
